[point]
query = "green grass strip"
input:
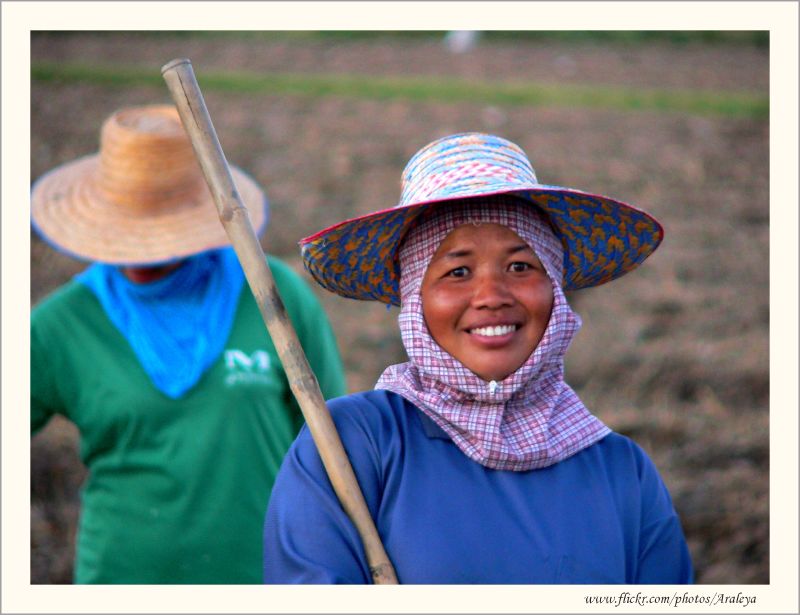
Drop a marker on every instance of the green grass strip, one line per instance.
(448, 90)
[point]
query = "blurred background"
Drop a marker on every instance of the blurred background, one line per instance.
(674, 355)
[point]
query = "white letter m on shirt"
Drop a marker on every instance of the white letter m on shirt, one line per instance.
(258, 361)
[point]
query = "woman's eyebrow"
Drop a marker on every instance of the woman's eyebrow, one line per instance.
(460, 253)
(457, 253)
(520, 248)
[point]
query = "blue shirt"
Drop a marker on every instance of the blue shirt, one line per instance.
(602, 516)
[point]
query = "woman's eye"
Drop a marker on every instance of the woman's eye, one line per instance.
(458, 272)
(519, 267)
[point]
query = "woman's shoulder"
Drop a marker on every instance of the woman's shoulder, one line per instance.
(374, 398)
(377, 409)
(372, 426)
(623, 457)
(618, 446)
(371, 417)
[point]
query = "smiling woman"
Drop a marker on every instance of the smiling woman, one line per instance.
(486, 299)
(478, 462)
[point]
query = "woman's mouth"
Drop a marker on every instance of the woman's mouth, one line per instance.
(493, 331)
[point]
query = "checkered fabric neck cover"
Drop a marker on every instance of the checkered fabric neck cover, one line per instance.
(601, 238)
(532, 419)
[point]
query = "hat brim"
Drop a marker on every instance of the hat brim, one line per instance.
(603, 239)
(73, 216)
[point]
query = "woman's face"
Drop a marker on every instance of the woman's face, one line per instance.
(486, 299)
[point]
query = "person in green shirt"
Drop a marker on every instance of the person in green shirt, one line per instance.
(157, 352)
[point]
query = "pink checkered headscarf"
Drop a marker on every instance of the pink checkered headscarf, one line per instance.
(531, 419)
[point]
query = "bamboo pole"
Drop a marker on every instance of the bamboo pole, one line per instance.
(185, 91)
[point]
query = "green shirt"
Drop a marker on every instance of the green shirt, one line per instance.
(177, 489)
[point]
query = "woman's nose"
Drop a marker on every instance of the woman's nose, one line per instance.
(491, 291)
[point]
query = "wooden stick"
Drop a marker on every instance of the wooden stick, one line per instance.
(192, 108)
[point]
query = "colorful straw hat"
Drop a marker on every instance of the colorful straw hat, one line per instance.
(603, 238)
(141, 200)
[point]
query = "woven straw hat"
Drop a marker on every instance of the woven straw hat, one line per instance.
(602, 238)
(141, 200)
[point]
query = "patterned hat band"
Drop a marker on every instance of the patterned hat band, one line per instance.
(602, 238)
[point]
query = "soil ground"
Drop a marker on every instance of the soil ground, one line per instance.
(674, 355)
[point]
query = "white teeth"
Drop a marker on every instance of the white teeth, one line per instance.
(494, 331)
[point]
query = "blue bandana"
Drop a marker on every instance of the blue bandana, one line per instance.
(178, 325)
